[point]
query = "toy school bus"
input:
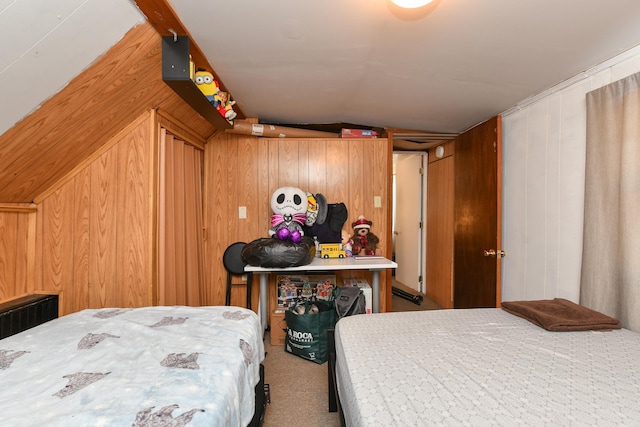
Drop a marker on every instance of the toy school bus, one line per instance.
(332, 250)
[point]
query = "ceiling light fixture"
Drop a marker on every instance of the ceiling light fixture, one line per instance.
(411, 4)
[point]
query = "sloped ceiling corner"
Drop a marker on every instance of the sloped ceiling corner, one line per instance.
(48, 43)
(70, 126)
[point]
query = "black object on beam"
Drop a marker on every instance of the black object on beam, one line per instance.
(176, 74)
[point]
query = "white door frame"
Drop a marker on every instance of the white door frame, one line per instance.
(422, 239)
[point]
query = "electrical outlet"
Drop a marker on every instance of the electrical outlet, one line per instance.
(377, 201)
(242, 212)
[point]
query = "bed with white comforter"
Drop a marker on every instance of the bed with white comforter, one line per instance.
(483, 367)
(152, 366)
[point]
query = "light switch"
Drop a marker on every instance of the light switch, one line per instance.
(242, 212)
(377, 201)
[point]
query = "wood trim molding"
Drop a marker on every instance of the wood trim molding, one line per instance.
(180, 130)
(18, 207)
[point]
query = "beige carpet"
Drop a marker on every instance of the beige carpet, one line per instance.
(298, 390)
(299, 387)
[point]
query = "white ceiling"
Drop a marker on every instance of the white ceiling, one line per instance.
(333, 61)
(355, 61)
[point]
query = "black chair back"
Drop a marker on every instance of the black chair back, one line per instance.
(232, 260)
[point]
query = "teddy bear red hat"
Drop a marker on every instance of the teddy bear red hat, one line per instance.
(361, 223)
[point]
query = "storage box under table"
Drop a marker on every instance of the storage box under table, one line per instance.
(278, 327)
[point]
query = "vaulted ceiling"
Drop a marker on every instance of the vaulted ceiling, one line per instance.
(442, 69)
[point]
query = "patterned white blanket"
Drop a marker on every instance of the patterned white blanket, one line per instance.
(152, 366)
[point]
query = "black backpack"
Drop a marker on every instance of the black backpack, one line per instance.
(349, 301)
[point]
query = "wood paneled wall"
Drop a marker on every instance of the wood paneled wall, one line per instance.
(95, 229)
(70, 126)
(94, 243)
(90, 234)
(17, 249)
(246, 170)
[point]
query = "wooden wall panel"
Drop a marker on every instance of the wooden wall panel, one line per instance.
(94, 234)
(134, 213)
(103, 284)
(17, 251)
(81, 236)
(357, 177)
(349, 171)
(57, 246)
(216, 210)
(338, 161)
(9, 235)
(317, 174)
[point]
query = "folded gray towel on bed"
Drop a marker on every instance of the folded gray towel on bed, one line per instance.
(561, 315)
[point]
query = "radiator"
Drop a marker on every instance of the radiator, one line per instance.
(24, 313)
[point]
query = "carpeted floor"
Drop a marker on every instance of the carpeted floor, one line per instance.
(299, 387)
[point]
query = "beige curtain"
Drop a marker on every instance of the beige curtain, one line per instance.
(180, 223)
(611, 249)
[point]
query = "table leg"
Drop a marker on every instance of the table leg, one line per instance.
(375, 290)
(263, 300)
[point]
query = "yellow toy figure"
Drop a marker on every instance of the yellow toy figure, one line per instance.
(209, 86)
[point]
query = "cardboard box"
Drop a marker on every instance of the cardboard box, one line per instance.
(278, 327)
(290, 289)
(359, 133)
(295, 288)
(366, 290)
(323, 286)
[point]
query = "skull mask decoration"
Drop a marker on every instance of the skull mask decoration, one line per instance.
(289, 206)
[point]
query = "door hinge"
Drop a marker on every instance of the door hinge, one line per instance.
(421, 171)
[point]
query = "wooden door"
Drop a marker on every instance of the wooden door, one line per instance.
(439, 272)
(477, 216)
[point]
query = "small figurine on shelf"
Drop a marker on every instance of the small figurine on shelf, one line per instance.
(364, 240)
(208, 86)
(347, 244)
(289, 206)
(225, 107)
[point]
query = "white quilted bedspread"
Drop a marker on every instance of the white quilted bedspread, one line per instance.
(153, 366)
(483, 367)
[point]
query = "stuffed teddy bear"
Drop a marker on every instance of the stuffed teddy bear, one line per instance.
(289, 206)
(363, 239)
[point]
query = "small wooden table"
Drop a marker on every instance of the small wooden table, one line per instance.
(375, 264)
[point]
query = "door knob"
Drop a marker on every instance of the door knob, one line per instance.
(493, 253)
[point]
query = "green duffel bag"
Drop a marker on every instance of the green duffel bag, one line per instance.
(307, 326)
